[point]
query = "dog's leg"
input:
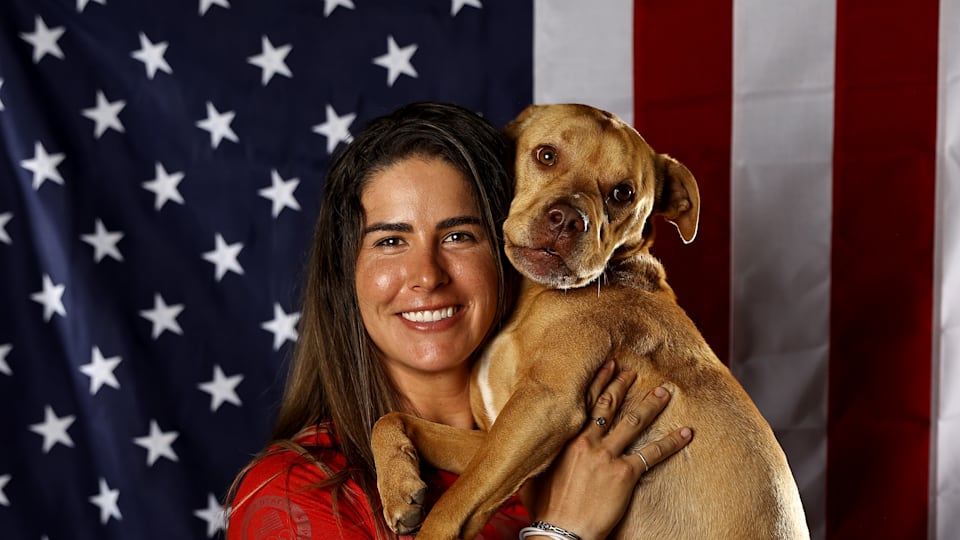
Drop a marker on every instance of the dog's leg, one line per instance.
(396, 440)
(517, 447)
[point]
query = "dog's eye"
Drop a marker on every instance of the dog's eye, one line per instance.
(547, 155)
(622, 193)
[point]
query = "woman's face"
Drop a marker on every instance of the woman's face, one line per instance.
(426, 278)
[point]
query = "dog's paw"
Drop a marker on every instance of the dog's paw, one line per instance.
(404, 510)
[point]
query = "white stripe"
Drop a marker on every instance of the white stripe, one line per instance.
(782, 145)
(583, 53)
(947, 296)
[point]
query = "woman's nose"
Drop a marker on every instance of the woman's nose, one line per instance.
(427, 270)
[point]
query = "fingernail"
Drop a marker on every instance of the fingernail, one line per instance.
(609, 364)
(660, 392)
(686, 433)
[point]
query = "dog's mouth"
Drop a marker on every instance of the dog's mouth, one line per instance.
(543, 265)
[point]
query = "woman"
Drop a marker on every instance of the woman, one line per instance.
(406, 283)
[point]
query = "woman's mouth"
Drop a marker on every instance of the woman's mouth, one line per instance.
(429, 316)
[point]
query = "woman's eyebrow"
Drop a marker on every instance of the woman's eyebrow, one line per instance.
(459, 221)
(388, 227)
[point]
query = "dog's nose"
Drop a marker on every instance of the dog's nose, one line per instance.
(565, 219)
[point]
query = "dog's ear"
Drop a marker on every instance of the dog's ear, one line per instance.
(678, 199)
(515, 126)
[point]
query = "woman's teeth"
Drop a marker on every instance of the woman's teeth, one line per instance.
(429, 316)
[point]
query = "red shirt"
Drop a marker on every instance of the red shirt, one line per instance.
(278, 499)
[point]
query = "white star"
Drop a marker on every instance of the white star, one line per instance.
(1, 101)
(4, 366)
(51, 297)
(103, 242)
(4, 219)
(280, 193)
(283, 326)
(163, 317)
(106, 500)
(218, 125)
(336, 128)
(53, 429)
(82, 4)
(43, 166)
(456, 5)
(44, 40)
(105, 114)
(158, 444)
(205, 5)
(100, 371)
(221, 388)
(151, 54)
(164, 186)
(330, 5)
(397, 61)
(213, 514)
(4, 501)
(271, 60)
(224, 256)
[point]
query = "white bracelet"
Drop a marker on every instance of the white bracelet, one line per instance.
(542, 528)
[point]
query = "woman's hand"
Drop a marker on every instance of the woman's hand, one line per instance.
(588, 487)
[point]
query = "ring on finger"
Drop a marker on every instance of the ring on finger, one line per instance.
(646, 466)
(600, 421)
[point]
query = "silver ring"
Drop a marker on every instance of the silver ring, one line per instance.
(646, 466)
(601, 421)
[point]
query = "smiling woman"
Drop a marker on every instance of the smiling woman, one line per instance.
(407, 281)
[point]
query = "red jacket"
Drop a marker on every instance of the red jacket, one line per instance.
(278, 499)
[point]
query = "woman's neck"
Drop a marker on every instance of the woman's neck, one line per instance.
(443, 398)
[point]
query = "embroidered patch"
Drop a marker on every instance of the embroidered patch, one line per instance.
(275, 518)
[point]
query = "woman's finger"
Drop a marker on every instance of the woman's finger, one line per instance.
(600, 380)
(636, 418)
(653, 453)
(609, 401)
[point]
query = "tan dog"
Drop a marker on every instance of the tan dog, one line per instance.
(587, 186)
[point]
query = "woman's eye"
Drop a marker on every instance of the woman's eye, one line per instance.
(390, 241)
(459, 237)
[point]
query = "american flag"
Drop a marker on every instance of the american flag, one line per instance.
(163, 162)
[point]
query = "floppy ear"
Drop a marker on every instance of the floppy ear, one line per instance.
(678, 199)
(515, 126)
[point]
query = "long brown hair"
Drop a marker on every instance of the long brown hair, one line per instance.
(335, 374)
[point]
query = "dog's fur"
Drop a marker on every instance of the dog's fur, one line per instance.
(579, 230)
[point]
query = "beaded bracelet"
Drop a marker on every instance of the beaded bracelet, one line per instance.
(542, 528)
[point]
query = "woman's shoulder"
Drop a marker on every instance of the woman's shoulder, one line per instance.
(289, 490)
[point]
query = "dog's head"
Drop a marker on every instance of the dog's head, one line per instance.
(587, 185)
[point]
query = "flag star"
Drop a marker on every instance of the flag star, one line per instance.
(224, 256)
(151, 54)
(221, 388)
(1, 101)
(4, 501)
(213, 514)
(397, 61)
(280, 193)
(205, 5)
(51, 297)
(4, 219)
(163, 317)
(4, 366)
(158, 444)
(457, 5)
(336, 129)
(271, 60)
(100, 371)
(104, 242)
(283, 326)
(82, 4)
(43, 166)
(218, 125)
(164, 186)
(105, 114)
(106, 500)
(330, 5)
(44, 40)
(53, 429)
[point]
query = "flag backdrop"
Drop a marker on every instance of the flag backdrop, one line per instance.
(161, 164)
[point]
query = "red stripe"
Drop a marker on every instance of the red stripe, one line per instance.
(881, 308)
(682, 106)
